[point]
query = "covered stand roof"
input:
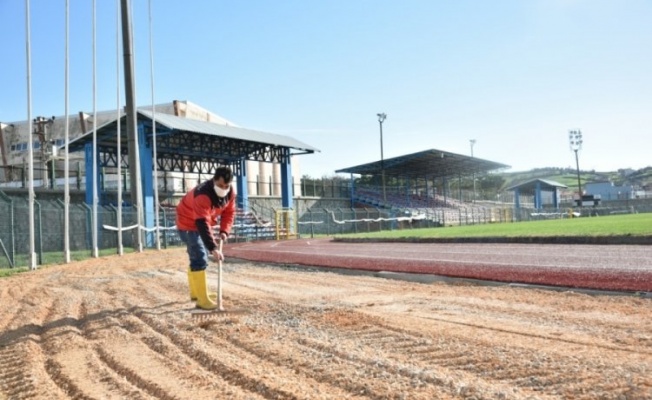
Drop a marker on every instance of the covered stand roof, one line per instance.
(430, 163)
(531, 185)
(184, 144)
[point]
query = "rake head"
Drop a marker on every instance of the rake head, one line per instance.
(217, 314)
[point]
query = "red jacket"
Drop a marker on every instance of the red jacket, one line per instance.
(199, 209)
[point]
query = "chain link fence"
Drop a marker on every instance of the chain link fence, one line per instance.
(49, 225)
(49, 230)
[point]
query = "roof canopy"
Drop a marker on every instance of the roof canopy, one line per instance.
(429, 163)
(184, 144)
(531, 185)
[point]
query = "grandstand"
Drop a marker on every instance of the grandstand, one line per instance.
(417, 186)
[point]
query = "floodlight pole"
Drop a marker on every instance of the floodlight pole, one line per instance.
(132, 121)
(381, 119)
(575, 140)
(472, 141)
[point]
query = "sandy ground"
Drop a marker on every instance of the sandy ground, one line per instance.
(120, 328)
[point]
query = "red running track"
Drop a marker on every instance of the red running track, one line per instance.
(603, 267)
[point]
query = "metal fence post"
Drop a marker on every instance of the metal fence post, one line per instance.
(312, 225)
(368, 223)
(165, 231)
(328, 225)
(78, 176)
(89, 225)
(39, 231)
(117, 232)
(61, 204)
(12, 233)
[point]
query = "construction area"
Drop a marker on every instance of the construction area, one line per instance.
(121, 327)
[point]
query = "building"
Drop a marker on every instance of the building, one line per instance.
(609, 192)
(48, 134)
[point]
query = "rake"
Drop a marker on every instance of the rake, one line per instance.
(220, 310)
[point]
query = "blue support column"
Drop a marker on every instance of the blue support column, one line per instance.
(537, 196)
(286, 180)
(352, 190)
(243, 187)
(147, 184)
(407, 192)
(90, 181)
(427, 196)
(517, 198)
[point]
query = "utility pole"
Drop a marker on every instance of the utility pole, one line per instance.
(42, 127)
(132, 128)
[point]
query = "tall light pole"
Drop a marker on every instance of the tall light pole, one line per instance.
(472, 141)
(381, 119)
(575, 139)
(132, 120)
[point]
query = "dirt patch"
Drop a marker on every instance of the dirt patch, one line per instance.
(120, 327)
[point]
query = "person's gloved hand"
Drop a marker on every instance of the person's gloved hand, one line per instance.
(217, 255)
(224, 237)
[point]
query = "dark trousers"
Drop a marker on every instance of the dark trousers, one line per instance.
(196, 250)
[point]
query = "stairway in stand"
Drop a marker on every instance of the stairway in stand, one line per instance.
(249, 227)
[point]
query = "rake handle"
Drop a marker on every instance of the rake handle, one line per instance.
(219, 279)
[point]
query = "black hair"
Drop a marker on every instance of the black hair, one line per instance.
(225, 173)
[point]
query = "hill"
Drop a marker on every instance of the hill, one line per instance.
(641, 178)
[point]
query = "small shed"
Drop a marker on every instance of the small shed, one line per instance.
(536, 187)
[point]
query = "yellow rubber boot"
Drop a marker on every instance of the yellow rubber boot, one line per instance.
(193, 292)
(191, 287)
(200, 285)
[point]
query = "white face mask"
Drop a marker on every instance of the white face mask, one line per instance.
(221, 192)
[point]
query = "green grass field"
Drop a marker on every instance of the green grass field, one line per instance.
(618, 225)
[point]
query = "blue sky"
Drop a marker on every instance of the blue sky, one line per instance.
(515, 75)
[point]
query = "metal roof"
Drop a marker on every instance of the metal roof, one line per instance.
(184, 144)
(429, 163)
(531, 185)
(208, 128)
(172, 123)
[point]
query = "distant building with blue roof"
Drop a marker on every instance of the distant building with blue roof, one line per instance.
(540, 189)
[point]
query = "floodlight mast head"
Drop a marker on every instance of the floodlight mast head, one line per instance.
(381, 117)
(575, 140)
